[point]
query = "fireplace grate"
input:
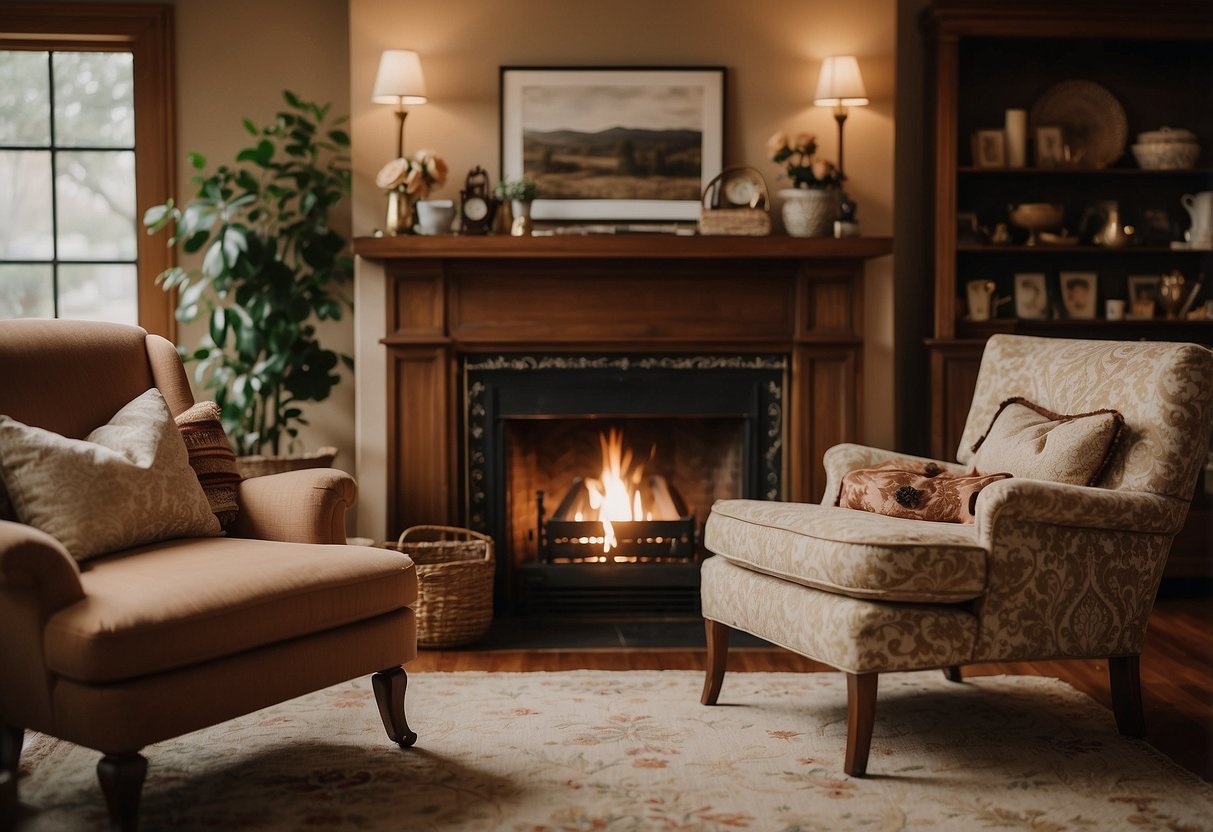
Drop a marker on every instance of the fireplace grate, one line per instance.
(639, 541)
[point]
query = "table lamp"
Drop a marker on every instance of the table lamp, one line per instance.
(840, 86)
(399, 81)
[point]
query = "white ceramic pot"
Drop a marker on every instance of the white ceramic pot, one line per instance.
(809, 212)
(434, 216)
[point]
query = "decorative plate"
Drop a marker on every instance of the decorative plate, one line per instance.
(1094, 122)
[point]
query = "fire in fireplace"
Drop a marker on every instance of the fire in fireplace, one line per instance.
(620, 516)
(631, 451)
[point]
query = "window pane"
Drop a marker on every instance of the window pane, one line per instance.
(99, 293)
(25, 101)
(94, 99)
(27, 291)
(95, 201)
(25, 205)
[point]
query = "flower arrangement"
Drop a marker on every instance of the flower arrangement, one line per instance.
(803, 169)
(416, 177)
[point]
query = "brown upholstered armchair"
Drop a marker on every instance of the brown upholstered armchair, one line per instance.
(137, 646)
(1047, 571)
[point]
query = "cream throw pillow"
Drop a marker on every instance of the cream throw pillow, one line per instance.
(127, 483)
(1026, 440)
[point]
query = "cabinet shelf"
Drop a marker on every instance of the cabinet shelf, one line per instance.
(1154, 329)
(988, 57)
(969, 170)
(1046, 250)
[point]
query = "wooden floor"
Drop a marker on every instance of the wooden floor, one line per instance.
(1176, 673)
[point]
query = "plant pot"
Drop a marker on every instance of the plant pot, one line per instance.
(809, 212)
(257, 465)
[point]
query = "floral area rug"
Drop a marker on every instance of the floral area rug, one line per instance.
(593, 750)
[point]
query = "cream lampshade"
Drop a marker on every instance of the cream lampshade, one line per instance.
(840, 86)
(399, 81)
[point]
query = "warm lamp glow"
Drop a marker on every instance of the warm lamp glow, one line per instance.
(840, 84)
(399, 80)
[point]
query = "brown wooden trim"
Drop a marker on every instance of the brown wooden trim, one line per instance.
(953, 674)
(1175, 19)
(147, 31)
(663, 246)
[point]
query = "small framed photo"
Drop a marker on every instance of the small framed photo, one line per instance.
(1078, 291)
(1143, 295)
(990, 149)
(1050, 146)
(1031, 296)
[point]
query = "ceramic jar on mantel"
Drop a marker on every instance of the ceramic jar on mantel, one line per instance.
(809, 212)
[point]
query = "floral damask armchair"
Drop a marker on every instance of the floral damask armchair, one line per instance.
(1048, 570)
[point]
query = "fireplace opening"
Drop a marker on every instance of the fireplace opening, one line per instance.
(622, 515)
(596, 474)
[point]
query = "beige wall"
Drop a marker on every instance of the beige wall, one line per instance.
(234, 59)
(773, 50)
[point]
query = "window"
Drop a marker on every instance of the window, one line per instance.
(85, 149)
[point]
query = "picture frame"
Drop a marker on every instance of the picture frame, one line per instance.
(1143, 296)
(1050, 146)
(1079, 294)
(613, 143)
(1031, 296)
(990, 149)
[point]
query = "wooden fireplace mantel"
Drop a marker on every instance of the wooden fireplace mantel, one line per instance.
(449, 297)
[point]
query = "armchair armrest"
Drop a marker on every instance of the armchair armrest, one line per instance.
(1072, 570)
(1078, 506)
(841, 460)
(32, 560)
(306, 506)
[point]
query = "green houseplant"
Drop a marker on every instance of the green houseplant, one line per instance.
(271, 267)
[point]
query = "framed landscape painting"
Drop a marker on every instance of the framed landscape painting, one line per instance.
(613, 144)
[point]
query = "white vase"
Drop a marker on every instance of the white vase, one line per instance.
(809, 212)
(521, 226)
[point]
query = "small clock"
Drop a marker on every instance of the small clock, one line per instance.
(477, 207)
(742, 188)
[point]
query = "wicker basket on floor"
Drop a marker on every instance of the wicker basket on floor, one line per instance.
(454, 583)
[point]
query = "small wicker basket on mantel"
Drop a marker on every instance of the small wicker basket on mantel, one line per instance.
(454, 583)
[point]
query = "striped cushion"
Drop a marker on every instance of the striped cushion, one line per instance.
(212, 458)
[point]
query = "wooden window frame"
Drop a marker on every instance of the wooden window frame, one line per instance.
(146, 31)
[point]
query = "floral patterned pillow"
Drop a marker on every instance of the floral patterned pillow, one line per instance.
(127, 483)
(915, 491)
(1026, 440)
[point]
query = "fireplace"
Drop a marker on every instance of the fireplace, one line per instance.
(434, 311)
(545, 435)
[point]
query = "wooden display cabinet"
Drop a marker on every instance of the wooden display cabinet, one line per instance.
(988, 56)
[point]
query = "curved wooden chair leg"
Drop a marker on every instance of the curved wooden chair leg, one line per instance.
(389, 686)
(11, 740)
(121, 777)
(1124, 678)
(952, 673)
(861, 717)
(718, 656)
